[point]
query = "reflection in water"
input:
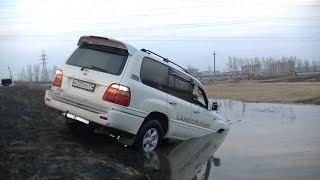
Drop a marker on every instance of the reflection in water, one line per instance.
(270, 141)
(191, 159)
(243, 108)
(240, 110)
(292, 115)
(264, 143)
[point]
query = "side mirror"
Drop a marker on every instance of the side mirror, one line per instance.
(215, 106)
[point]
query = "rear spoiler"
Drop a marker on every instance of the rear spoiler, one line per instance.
(106, 42)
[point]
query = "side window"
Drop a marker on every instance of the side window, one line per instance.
(154, 74)
(199, 97)
(180, 85)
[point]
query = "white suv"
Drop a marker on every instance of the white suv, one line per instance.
(138, 95)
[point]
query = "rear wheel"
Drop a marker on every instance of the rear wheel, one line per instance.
(149, 136)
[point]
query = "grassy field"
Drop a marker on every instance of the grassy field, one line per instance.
(255, 91)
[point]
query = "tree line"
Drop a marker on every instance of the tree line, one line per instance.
(33, 73)
(272, 65)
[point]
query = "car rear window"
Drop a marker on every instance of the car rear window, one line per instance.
(154, 74)
(110, 59)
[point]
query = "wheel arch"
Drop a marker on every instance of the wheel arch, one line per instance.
(161, 117)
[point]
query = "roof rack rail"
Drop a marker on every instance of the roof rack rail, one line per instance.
(164, 59)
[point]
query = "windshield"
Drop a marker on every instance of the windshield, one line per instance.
(108, 59)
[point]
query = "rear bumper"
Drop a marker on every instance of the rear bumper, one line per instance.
(116, 117)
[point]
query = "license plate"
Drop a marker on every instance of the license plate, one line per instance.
(83, 85)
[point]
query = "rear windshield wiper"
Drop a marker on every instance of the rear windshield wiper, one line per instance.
(94, 67)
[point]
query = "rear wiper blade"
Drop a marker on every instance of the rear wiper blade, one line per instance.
(94, 67)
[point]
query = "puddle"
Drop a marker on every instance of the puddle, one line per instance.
(266, 141)
(270, 141)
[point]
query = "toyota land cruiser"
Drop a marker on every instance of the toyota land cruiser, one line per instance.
(135, 93)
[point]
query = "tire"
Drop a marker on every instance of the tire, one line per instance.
(149, 136)
(79, 127)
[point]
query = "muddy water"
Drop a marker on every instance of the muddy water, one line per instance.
(270, 141)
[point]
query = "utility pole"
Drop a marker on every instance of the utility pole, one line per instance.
(214, 63)
(44, 73)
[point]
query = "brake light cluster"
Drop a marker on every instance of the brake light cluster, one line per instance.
(117, 94)
(58, 79)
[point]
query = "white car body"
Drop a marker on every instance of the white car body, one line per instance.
(181, 119)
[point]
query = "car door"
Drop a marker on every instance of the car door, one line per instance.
(200, 114)
(179, 109)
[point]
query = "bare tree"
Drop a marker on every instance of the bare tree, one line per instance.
(265, 65)
(270, 65)
(314, 64)
(23, 75)
(29, 73)
(307, 66)
(299, 65)
(36, 69)
(230, 65)
(241, 63)
(257, 61)
(235, 65)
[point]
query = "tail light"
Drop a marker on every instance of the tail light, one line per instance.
(117, 94)
(58, 79)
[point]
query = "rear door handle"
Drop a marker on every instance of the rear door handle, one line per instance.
(172, 102)
(196, 111)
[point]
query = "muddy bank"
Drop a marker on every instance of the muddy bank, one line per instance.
(35, 144)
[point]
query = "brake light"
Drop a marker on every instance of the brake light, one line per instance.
(58, 79)
(117, 94)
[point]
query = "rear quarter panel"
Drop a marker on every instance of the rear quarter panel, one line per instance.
(143, 98)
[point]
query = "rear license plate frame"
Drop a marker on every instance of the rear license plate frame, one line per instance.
(76, 83)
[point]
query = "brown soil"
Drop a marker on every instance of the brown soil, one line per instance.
(280, 92)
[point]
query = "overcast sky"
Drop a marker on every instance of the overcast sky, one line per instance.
(186, 32)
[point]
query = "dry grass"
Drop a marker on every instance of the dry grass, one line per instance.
(31, 85)
(282, 92)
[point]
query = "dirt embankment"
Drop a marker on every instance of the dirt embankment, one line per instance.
(257, 91)
(35, 144)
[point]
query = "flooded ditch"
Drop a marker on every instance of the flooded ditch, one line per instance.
(270, 141)
(266, 141)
